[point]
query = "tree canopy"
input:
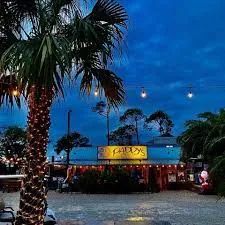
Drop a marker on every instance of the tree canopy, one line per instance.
(160, 121)
(68, 142)
(123, 135)
(205, 137)
(132, 115)
(13, 142)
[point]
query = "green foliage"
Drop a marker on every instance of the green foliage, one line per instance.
(123, 135)
(13, 143)
(102, 108)
(131, 116)
(42, 42)
(89, 182)
(160, 121)
(68, 142)
(205, 136)
(116, 181)
(217, 173)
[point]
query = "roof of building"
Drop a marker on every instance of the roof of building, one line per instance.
(156, 155)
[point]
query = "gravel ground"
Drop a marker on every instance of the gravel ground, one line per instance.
(165, 208)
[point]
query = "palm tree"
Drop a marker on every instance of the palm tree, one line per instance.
(68, 142)
(43, 43)
(204, 136)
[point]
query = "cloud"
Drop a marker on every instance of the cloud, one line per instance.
(170, 45)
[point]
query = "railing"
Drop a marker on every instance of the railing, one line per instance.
(11, 176)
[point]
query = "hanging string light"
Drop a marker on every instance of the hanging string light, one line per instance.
(15, 92)
(96, 92)
(190, 94)
(143, 93)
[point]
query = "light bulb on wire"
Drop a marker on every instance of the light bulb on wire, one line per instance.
(15, 92)
(190, 95)
(96, 92)
(143, 93)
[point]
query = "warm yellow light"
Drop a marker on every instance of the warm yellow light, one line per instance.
(15, 92)
(122, 152)
(96, 92)
(136, 219)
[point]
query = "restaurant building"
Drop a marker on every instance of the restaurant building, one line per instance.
(158, 160)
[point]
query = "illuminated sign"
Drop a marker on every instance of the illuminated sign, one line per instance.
(122, 152)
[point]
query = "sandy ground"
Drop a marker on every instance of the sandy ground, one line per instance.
(165, 208)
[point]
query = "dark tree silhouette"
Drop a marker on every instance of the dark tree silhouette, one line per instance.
(159, 120)
(131, 117)
(68, 142)
(123, 135)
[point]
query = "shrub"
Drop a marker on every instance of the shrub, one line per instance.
(89, 182)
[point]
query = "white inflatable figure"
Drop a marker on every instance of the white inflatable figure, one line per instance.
(204, 179)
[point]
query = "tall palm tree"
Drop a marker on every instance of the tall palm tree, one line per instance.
(45, 42)
(204, 136)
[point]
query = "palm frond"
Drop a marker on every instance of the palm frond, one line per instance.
(10, 91)
(22, 9)
(107, 82)
(110, 12)
(40, 62)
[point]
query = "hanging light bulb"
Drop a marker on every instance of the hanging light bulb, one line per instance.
(96, 92)
(15, 92)
(190, 95)
(143, 93)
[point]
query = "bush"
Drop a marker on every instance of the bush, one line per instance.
(117, 181)
(89, 182)
(217, 175)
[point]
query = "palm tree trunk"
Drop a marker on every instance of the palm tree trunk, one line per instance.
(33, 194)
(136, 124)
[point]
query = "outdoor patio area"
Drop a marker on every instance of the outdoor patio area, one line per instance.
(165, 208)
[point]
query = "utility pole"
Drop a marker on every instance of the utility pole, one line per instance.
(68, 134)
(107, 119)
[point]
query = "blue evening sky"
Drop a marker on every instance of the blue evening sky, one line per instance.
(170, 45)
